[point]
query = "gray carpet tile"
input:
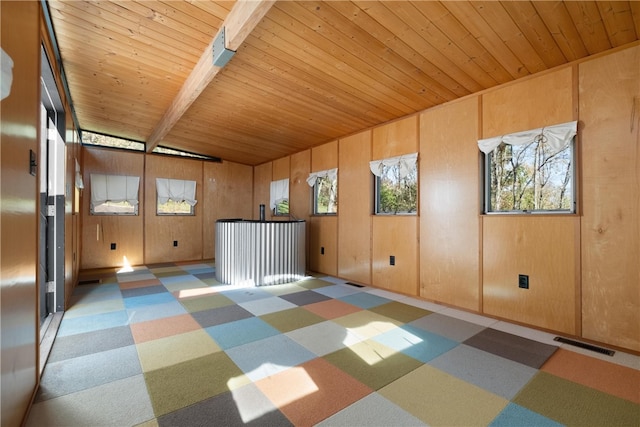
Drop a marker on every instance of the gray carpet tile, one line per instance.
(450, 327)
(90, 342)
(512, 347)
(488, 371)
(372, 410)
(84, 372)
(144, 290)
(305, 298)
(123, 402)
(218, 316)
(229, 410)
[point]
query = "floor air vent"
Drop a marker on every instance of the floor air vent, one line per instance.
(585, 346)
(354, 284)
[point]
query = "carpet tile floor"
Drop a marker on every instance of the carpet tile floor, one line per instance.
(167, 345)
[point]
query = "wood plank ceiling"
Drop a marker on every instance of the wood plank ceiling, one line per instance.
(311, 71)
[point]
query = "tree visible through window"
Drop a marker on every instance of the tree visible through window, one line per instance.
(530, 177)
(396, 194)
(326, 195)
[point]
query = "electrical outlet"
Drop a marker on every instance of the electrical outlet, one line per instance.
(113, 246)
(392, 260)
(175, 243)
(321, 250)
(523, 281)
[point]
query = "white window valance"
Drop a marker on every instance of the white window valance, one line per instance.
(332, 174)
(558, 137)
(279, 192)
(115, 188)
(406, 163)
(178, 190)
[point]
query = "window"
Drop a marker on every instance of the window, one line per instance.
(325, 193)
(531, 171)
(396, 185)
(279, 197)
(175, 197)
(114, 194)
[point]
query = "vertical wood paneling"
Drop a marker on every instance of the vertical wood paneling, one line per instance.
(529, 104)
(323, 229)
(354, 200)
(99, 231)
(449, 205)
(396, 138)
(325, 157)
(162, 230)
(323, 233)
(227, 194)
(542, 248)
(281, 168)
(610, 114)
(395, 235)
(262, 177)
(19, 132)
(299, 190)
(300, 193)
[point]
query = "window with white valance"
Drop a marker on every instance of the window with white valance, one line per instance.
(405, 164)
(175, 196)
(531, 171)
(279, 197)
(396, 184)
(325, 193)
(557, 137)
(114, 194)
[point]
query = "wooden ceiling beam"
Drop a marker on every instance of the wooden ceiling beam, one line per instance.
(242, 19)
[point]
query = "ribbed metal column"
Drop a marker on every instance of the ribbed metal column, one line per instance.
(259, 252)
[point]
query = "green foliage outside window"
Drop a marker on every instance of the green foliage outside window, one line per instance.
(529, 178)
(282, 208)
(175, 208)
(396, 195)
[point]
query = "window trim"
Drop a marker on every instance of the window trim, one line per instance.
(171, 197)
(376, 167)
(128, 179)
(486, 186)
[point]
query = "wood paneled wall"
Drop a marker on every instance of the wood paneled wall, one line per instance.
(299, 190)
(262, 177)
(395, 235)
(227, 193)
(160, 231)
(355, 204)
(529, 104)
(323, 229)
(610, 122)
(449, 205)
(223, 190)
(20, 132)
(583, 268)
(99, 231)
(542, 248)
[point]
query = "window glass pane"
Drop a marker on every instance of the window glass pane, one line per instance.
(109, 207)
(530, 177)
(326, 196)
(396, 195)
(282, 208)
(175, 208)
